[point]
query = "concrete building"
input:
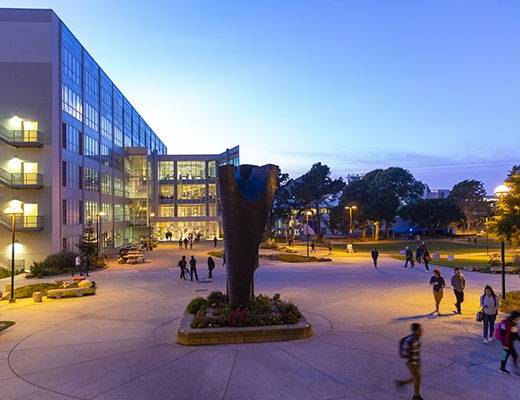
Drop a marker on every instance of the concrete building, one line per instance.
(73, 150)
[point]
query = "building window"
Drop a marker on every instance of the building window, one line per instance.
(91, 180)
(198, 210)
(71, 103)
(71, 66)
(106, 185)
(91, 117)
(91, 147)
(166, 170)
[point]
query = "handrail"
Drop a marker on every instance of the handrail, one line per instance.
(5, 262)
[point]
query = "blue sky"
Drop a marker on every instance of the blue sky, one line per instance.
(430, 86)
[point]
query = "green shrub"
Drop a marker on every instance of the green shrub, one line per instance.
(263, 311)
(196, 305)
(54, 264)
(217, 299)
(512, 302)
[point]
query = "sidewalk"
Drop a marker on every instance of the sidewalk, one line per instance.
(120, 343)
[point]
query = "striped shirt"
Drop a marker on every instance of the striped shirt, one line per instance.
(413, 350)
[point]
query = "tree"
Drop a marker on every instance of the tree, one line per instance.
(385, 191)
(357, 193)
(88, 247)
(506, 221)
(316, 189)
(431, 213)
(470, 196)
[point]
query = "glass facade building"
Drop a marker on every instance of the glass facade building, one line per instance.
(73, 149)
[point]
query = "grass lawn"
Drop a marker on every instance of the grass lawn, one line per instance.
(465, 254)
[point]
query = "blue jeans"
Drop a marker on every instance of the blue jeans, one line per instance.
(489, 324)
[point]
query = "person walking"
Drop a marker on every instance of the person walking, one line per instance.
(78, 265)
(425, 255)
(375, 255)
(211, 267)
(180, 242)
(510, 334)
(458, 283)
(182, 265)
(489, 304)
(193, 269)
(87, 265)
(330, 248)
(418, 253)
(313, 247)
(215, 241)
(409, 257)
(412, 355)
(438, 284)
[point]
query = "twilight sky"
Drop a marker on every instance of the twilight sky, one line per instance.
(430, 86)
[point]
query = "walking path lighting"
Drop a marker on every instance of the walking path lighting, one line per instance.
(307, 229)
(351, 225)
(501, 191)
(13, 211)
(101, 214)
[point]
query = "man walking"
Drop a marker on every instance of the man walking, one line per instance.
(410, 351)
(375, 255)
(458, 283)
(193, 269)
(409, 257)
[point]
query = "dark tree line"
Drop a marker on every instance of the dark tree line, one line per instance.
(379, 198)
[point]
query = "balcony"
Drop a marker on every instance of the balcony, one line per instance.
(21, 181)
(23, 222)
(21, 138)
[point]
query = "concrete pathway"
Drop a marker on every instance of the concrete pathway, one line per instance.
(120, 344)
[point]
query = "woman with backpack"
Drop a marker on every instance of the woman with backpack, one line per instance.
(509, 334)
(489, 304)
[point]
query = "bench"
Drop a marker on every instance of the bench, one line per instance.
(58, 292)
(131, 258)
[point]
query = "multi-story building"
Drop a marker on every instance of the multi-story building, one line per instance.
(73, 150)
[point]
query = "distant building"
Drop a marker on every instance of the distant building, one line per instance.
(73, 149)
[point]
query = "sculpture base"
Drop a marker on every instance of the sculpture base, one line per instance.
(252, 334)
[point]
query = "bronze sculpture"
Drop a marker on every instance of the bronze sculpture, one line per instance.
(247, 194)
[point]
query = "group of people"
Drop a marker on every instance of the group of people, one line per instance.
(489, 304)
(421, 253)
(192, 271)
(81, 266)
(458, 283)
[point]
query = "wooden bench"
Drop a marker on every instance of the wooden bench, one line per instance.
(58, 292)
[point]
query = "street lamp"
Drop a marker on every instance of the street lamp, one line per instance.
(350, 208)
(15, 209)
(101, 214)
(501, 191)
(150, 227)
(307, 229)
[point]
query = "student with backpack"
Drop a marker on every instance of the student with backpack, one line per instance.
(489, 304)
(409, 349)
(508, 332)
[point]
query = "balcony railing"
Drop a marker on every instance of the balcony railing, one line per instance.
(22, 222)
(21, 181)
(20, 138)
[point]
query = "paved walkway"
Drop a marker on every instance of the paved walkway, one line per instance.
(120, 344)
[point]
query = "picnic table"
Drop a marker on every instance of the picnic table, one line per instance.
(131, 257)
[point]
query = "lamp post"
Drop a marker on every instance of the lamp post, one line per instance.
(16, 208)
(350, 208)
(307, 229)
(101, 214)
(150, 227)
(501, 191)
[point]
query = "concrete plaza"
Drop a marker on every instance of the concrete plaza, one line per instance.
(120, 343)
